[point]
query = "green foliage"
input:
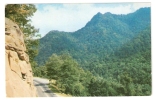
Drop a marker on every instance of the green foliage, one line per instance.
(116, 49)
(104, 87)
(40, 71)
(69, 77)
(99, 39)
(110, 56)
(20, 14)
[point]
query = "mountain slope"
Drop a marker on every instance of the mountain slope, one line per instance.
(139, 44)
(116, 49)
(101, 37)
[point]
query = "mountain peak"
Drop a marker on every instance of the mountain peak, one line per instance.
(107, 13)
(102, 31)
(145, 10)
(99, 18)
(98, 15)
(95, 18)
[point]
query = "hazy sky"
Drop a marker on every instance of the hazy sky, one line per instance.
(71, 17)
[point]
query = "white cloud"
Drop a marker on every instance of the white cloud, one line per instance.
(139, 5)
(71, 17)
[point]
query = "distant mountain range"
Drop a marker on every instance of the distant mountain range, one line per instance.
(104, 38)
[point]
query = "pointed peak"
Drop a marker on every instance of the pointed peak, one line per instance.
(99, 13)
(108, 13)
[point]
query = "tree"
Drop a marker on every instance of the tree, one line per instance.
(20, 14)
(53, 67)
(70, 78)
(40, 71)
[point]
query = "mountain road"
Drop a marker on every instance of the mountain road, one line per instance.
(42, 87)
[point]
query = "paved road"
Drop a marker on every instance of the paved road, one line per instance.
(42, 87)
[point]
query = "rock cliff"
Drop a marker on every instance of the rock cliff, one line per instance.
(19, 78)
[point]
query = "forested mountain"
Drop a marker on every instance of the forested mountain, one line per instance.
(116, 49)
(101, 37)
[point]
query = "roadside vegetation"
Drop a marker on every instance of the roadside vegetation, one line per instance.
(101, 59)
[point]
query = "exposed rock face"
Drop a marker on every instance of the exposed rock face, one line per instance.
(19, 78)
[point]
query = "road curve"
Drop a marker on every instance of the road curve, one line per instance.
(42, 87)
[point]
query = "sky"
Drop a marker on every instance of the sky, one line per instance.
(70, 17)
(45, 27)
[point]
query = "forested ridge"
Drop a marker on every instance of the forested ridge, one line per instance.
(109, 56)
(96, 38)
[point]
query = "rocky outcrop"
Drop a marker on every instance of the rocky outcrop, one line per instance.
(19, 78)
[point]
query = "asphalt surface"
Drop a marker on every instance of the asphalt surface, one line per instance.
(42, 87)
